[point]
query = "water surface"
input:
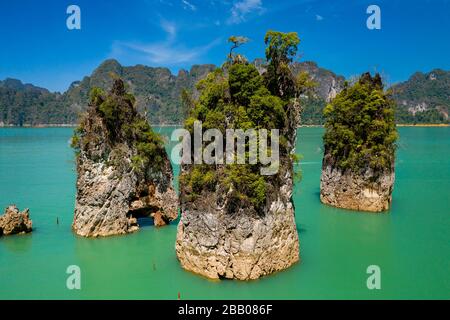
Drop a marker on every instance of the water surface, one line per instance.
(411, 243)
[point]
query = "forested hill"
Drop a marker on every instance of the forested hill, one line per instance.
(157, 90)
(157, 93)
(22, 104)
(424, 98)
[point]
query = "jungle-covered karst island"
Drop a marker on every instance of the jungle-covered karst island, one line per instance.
(359, 141)
(123, 171)
(235, 222)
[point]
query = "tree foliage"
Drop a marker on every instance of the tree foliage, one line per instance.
(281, 48)
(237, 41)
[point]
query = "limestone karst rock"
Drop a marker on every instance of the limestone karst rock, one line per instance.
(363, 192)
(360, 134)
(237, 223)
(123, 170)
(15, 222)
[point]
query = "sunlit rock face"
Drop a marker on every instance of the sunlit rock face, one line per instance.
(15, 222)
(243, 244)
(362, 192)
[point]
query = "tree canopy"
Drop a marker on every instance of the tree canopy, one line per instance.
(281, 48)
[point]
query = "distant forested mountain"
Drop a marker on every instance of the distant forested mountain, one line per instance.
(424, 98)
(22, 104)
(157, 90)
(157, 93)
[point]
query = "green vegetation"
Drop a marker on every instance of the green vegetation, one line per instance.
(429, 90)
(281, 48)
(201, 177)
(236, 96)
(237, 41)
(360, 130)
(124, 127)
(433, 115)
(158, 92)
(24, 104)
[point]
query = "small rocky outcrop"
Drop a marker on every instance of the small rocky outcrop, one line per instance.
(237, 223)
(360, 134)
(15, 222)
(123, 170)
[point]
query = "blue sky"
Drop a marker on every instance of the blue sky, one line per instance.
(36, 46)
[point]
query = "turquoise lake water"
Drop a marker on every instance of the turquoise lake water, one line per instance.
(411, 243)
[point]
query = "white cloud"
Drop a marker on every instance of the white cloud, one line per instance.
(319, 17)
(170, 28)
(168, 52)
(164, 53)
(188, 6)
(241, 9)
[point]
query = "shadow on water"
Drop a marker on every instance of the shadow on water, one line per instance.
(18, 243)
(301, 229)
(145, 222)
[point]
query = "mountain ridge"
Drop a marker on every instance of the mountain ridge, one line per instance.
(423, 98)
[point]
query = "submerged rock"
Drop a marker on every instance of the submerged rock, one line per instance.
(123, 170)
(14, 222)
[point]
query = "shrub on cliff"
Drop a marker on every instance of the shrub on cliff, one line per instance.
(124, 125)
(360, 132)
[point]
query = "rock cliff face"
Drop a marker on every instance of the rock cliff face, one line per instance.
(362, 192)
(242, 245)
(328, 83)
(14, 222)
(157, 90)
(423, 97)
(123, 170)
